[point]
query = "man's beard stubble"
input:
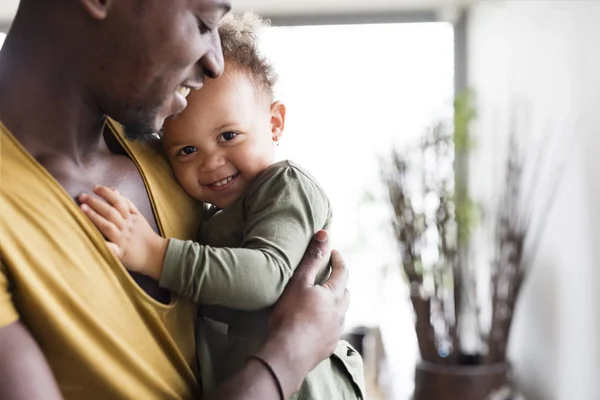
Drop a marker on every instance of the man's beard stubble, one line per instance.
(142, 127)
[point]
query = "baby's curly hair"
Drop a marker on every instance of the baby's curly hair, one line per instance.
(239, 39)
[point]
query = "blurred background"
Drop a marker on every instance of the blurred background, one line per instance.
(360, 78)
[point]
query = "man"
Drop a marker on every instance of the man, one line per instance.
(73, 323)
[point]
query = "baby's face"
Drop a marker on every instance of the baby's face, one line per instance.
(222, 141)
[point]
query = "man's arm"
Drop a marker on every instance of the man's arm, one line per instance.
(306, 324)
(24, 372)
(253, 382)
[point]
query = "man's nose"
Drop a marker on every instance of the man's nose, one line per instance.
(212, 62)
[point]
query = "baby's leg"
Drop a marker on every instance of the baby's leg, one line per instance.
(340, 377)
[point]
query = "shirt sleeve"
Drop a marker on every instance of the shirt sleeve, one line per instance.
(8, 312)
(283, 210)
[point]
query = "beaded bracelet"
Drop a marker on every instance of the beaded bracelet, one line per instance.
(268, 366)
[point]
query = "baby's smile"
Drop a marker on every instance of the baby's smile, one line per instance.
(224, 183)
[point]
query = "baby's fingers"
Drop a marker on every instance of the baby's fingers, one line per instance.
(114, 198)
(106, 227)
(115, 249)
(103, 209)
(132, 208)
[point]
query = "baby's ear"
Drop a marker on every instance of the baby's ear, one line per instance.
(98, 9)
(277, 120)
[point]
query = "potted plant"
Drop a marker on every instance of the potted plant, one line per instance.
(433, 217)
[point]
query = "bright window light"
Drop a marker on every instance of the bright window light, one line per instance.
(352, 92)
(2, 37)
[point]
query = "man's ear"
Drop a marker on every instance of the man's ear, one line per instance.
(98, 9)
(277, 120)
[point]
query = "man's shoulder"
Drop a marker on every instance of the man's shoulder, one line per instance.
(178, 214)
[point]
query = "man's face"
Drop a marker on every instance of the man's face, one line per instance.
(151, 54)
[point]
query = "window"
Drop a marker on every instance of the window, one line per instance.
(353, 91)
(2, 37)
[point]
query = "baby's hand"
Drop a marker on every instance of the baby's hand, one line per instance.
(128, 234)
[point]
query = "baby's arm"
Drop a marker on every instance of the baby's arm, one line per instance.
(128, 233)
(284, 209)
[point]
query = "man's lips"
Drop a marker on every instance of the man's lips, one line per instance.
(224, 183)
(184, 90)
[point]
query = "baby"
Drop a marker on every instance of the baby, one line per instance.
(263, 215)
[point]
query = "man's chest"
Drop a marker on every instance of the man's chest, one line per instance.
(117, 172)
(114, 171)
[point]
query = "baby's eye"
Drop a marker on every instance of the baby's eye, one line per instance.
(226, 136)
(187, 150)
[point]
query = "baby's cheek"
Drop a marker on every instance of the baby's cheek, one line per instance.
(187, 180)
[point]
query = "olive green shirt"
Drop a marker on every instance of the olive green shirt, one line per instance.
(239, 267)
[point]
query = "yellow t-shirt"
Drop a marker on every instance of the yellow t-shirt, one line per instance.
(103, 337)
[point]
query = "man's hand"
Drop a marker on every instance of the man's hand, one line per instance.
(306, 325)
(307, 321)
(127, 232)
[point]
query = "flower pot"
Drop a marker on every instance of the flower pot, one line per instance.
(458, 382)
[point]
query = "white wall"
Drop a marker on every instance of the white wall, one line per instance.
(541, 60)
(8, 8)
(310, 7)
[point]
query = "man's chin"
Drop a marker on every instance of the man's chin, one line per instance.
(141, 131)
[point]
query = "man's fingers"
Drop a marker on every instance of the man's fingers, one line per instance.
(315, 258)
(343, 306)
(113, 198)
(339, 274)
(346, 300)
(106, 227)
